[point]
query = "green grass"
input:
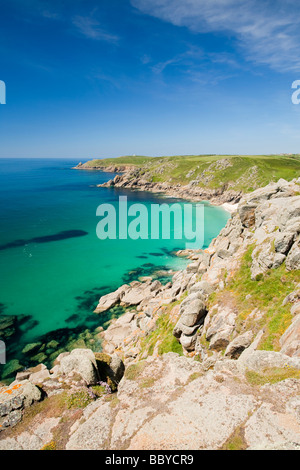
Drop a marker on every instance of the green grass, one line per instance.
(146, 383)
(134, 370)
(236, 441)
(266, 294)
(50, 407)
(99, 390)
(78, 399)
(271, 376)
(245, 173)
(50, 446)
(126, 160)
(194, 376)
(163, 337)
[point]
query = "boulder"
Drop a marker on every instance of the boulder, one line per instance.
(110, 368)
(262, 194)
(260, 361)
(60, 357)
(238, 345)
(117, 367)
(27, 373)
(293, 225)
(39, 376)
(14, 398)
(192, 312)
(247, 214)
(24, 375)
(295, 310)
(220, 328)
(193, 267)
(293, 258)
(220, 340)
(82, 362)
(116, 334)
(110, 300)
(287, 212)
(290, 340)
(140, 291)
(265, 258)
(188, 342)
(283, 242)
(203, 287)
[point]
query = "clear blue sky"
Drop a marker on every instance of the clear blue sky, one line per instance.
(149, 77)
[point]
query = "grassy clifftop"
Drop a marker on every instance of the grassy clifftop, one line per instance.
(135, 160)
(238, 172)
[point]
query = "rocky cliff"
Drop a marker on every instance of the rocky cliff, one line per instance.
(136, 179)
(107, 168)
(210, 360)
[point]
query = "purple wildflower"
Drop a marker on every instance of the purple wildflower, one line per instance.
(106, 386)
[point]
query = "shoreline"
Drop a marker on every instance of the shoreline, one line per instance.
(226, 199)
(231, 208)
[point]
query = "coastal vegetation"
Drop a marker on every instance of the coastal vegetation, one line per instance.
(266, 293)
(237, 172)
(162, 337)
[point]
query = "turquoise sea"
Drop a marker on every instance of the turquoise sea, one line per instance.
(53, 268)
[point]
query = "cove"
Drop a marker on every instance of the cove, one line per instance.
(56, 268)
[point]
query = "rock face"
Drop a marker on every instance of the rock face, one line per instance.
(90, 367)
(192, 313)
(220, 328)
(193, 192)
(14, 399)
(238, 345)
(82, 362)
(75, 372)
(171, 403)
(290, 340)
(127, 295)
(110, 300)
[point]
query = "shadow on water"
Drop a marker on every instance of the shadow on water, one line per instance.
(45, 239)
(2, 307)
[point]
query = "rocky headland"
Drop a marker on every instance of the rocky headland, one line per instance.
(132, 178)
(107, 168)
(211, 360)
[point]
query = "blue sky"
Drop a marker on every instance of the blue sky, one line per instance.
(92, 79)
